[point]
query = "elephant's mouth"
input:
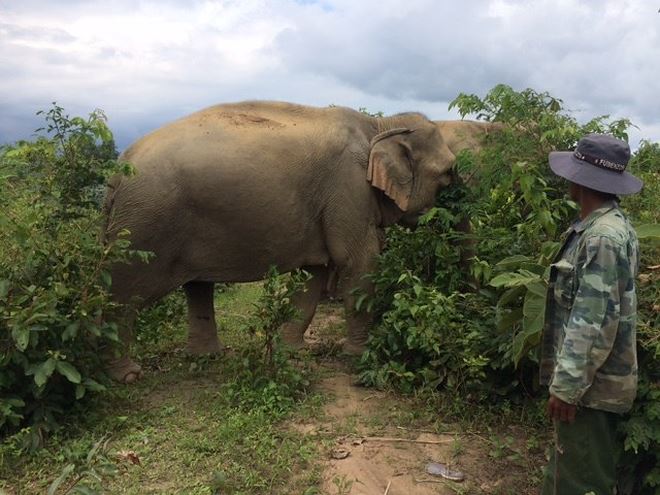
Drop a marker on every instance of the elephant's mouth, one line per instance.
(411, 219)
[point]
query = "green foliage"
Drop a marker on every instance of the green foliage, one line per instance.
(431, 253)
(642, 430)
(423, 341)
(85, 472)
(156, 323)
(265, 376)
(365, 111)
(521, 308)
(516, 209)
(54, 277)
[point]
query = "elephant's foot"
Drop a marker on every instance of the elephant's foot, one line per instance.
(204, 345)
(124, 370)
(292, 337)
(293, 343)
(353, 348)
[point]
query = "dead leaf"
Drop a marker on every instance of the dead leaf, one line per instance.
(129, 456)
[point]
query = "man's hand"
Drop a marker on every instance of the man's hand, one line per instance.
(560, 410)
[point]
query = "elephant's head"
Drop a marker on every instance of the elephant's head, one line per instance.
(409, 164)
(460, 135)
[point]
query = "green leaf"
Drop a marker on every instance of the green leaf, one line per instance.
(360, 301)
(21, 336)
(512, 262)
(533, 316)
(533, 267)
(93, 385)
(16, 402)
(84, 490)
(52, 489)
(67, 369)
(533, 312)
(43, 372)
(80, 391)
(511, 295)
(538, 288)
(514, 279)
(648, 231)
(4, 289)
(70, 331)
(506, 319)
(548, 251)
(106, 278)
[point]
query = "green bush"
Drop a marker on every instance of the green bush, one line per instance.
(265, 376)
(642, 430)
(441, 325)
(423, 340)
(162, 321)
(54, 276)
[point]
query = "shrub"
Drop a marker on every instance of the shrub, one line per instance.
(266, 379)
(53, 270)
(423, 341)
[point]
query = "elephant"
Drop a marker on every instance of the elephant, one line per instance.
(226, 192)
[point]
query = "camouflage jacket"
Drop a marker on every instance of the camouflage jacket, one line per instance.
(588, 348)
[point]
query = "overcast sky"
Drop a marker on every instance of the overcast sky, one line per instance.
(146, 62)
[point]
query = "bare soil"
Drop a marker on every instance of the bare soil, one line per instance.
(373, 454)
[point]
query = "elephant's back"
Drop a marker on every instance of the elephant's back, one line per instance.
(262, 158)
(245, 126)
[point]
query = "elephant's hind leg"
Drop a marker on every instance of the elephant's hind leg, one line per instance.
(305, 301)
(202, 330)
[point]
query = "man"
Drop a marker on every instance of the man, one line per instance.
(588, 355)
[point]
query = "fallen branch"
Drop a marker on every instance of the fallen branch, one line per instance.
(387, 490)
(409, 440)
(369, 397)
(417, 480)
(434, 432)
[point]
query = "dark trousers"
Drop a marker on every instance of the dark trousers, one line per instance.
(586, 458)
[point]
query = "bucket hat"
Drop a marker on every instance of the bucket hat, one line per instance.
(599, 162)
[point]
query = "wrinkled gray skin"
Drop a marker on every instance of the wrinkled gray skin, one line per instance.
(221, 195)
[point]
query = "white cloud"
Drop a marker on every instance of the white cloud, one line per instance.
(151, 61)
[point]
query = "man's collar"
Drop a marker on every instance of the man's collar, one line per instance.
(597, 213)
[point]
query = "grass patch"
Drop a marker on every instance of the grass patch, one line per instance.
(200, 425)
(189, 435)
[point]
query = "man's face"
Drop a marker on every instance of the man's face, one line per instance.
(574, 192)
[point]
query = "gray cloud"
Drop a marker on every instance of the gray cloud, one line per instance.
(590, 55)
(149, 62)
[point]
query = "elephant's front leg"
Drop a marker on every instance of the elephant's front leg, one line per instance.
(354, 282)
(121, 368)
(202, 330)
(305, 302)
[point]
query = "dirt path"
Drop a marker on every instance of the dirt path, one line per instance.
(365, 456)
(372, 464)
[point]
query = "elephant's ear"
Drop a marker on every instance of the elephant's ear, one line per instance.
(390, 166)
